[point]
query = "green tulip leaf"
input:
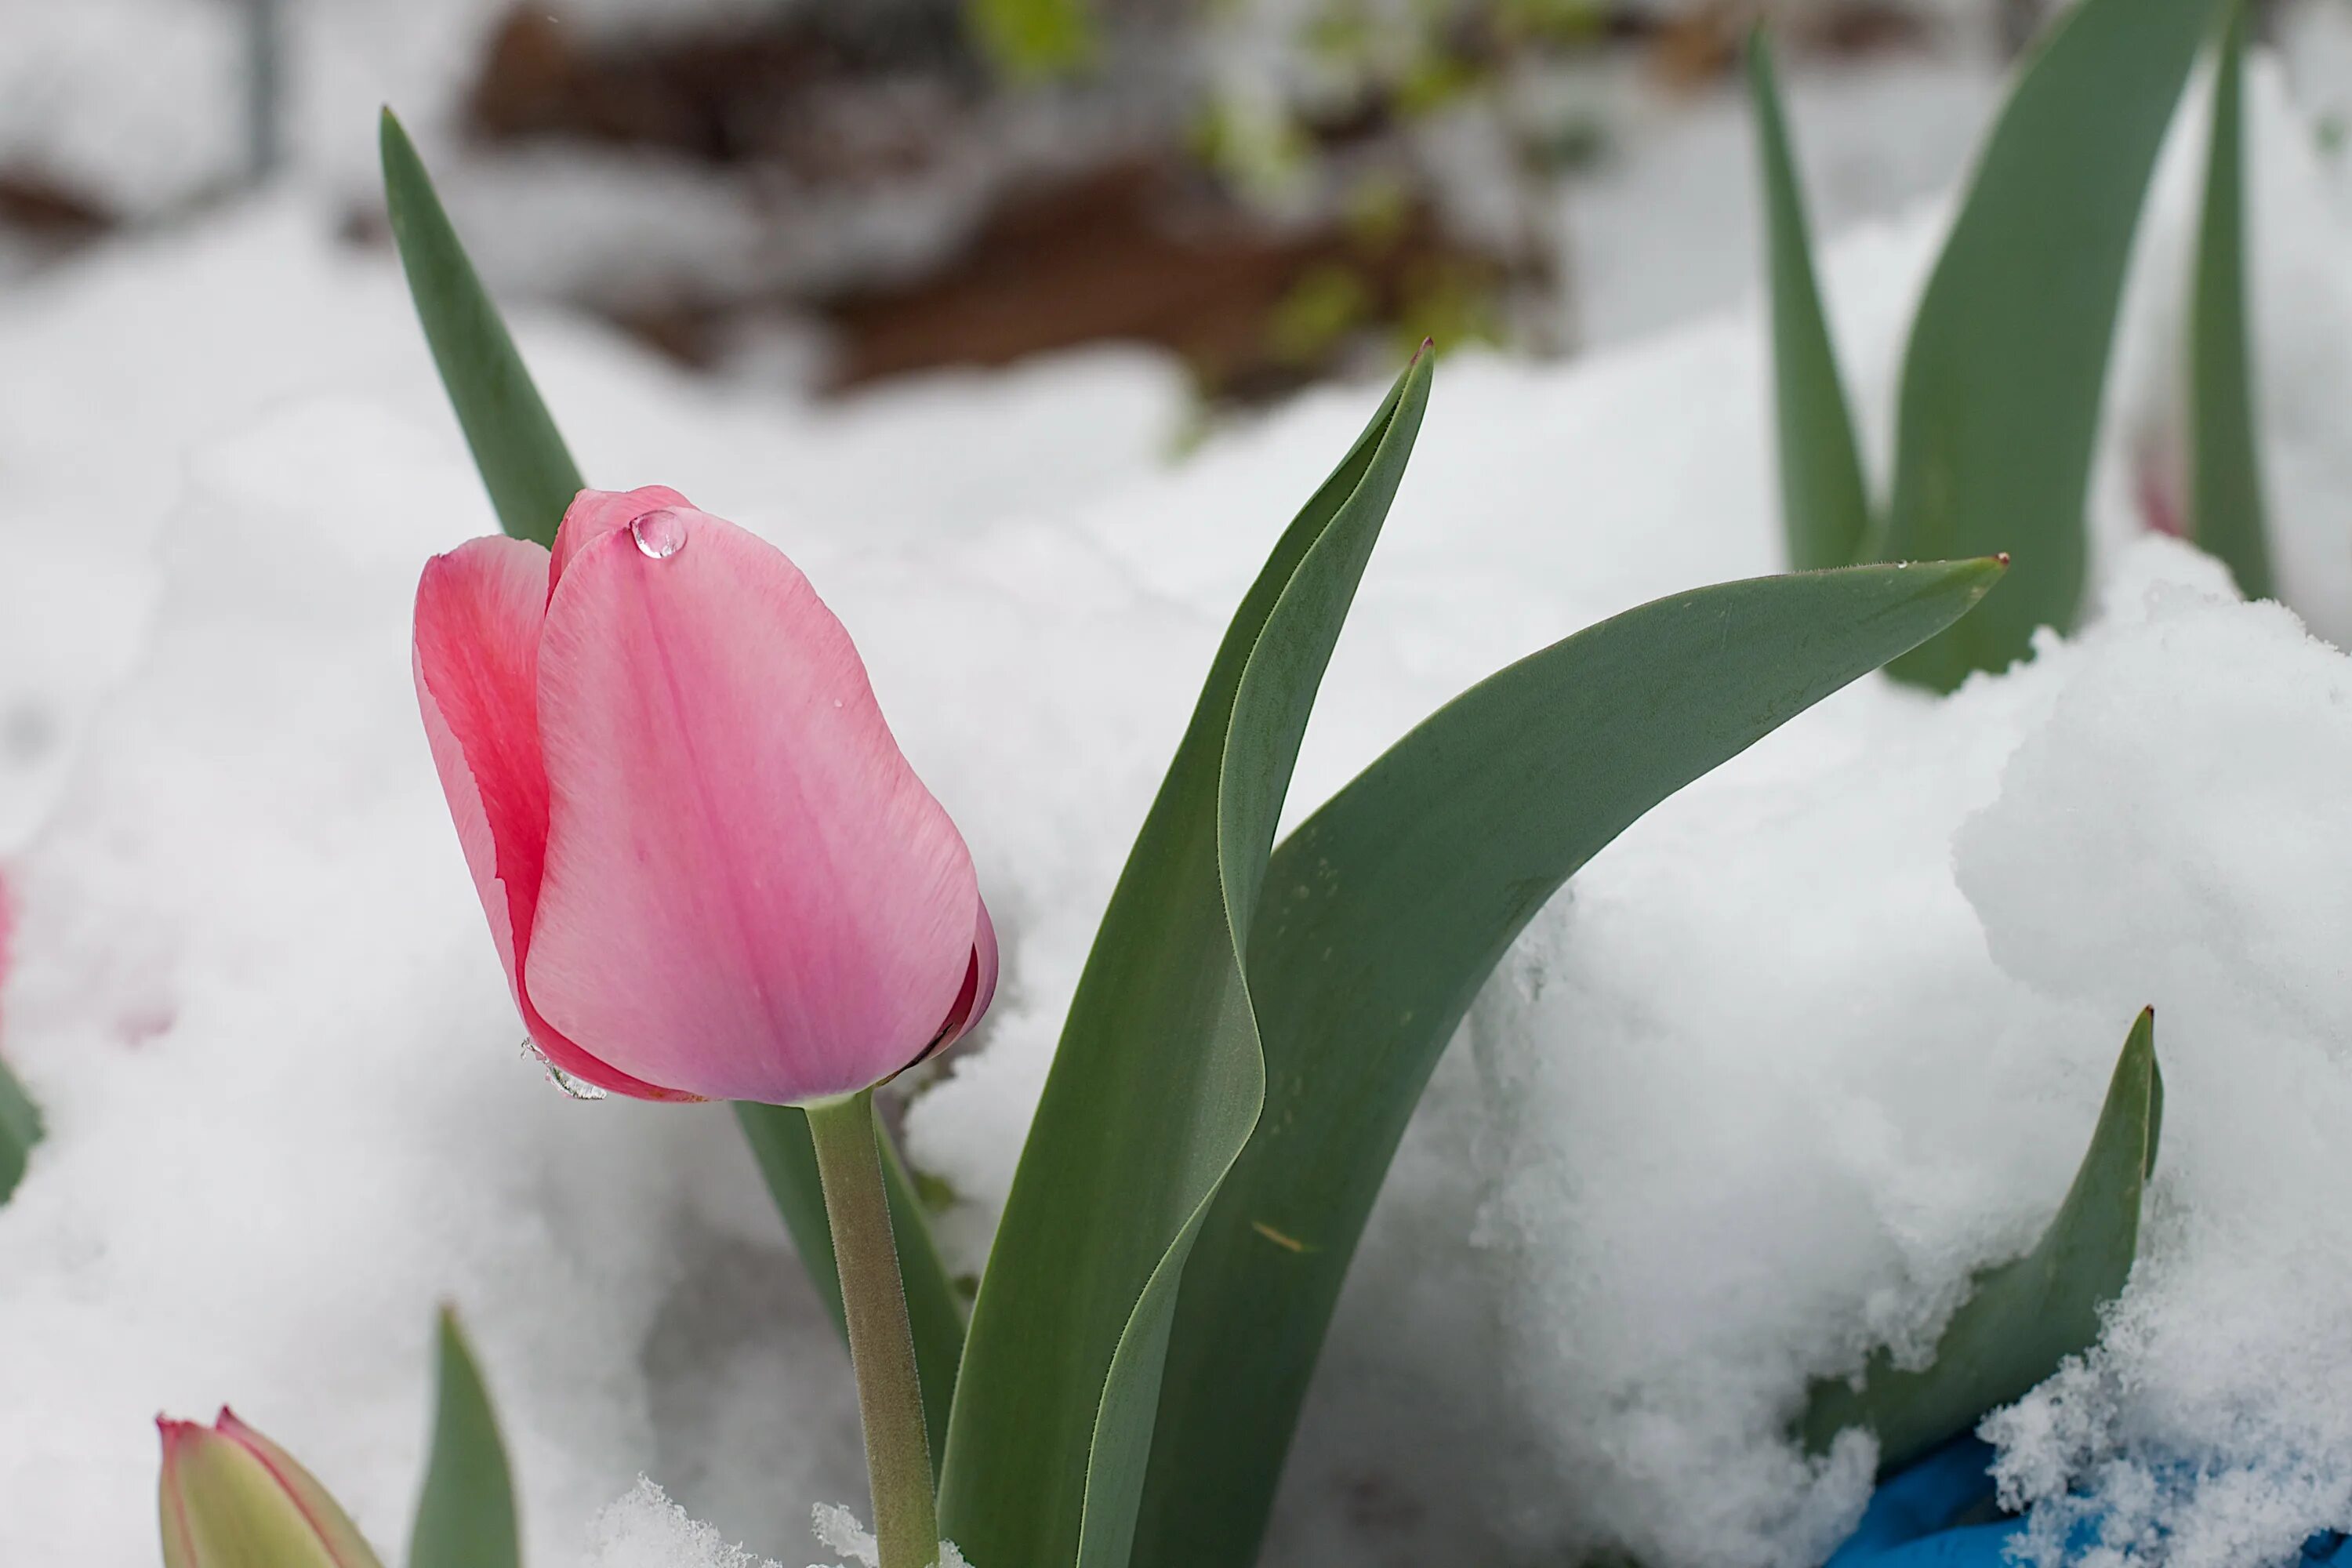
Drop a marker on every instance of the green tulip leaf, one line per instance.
(20, 1129)
(1159, 1077)
(1385, 913)
(779, 1136)
(2226, 503)
(2008, 356)
(2024, 1318)
(466, 1518)
(523, 461)
(1824, 504)
(532, 480)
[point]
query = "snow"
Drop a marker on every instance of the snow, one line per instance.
(645, 1530)
(1668, 224)
(1811, 1042)
(2239, 1289)
(1742, 1183)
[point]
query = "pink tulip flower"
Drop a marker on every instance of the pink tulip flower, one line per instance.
(709, 870)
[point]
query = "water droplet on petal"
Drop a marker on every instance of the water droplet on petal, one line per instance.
(836, 702)
(660, 535)
(578, 1089)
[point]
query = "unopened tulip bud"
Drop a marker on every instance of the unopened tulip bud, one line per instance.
(232, 1499)
(709, 870)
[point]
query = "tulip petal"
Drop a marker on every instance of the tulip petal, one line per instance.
(595, 513)
(178, 1531)
(319, 1510)
(979, 988)
(749, 893)
(479, 612)
(230, 1497)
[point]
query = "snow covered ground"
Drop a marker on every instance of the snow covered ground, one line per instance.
(1813, 1041)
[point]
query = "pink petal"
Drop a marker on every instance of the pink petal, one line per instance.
(596, 513)
(478, 611)
(749, 892)
(979, 986)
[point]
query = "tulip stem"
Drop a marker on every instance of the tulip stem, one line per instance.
(881, 1345)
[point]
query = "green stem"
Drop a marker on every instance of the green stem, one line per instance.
(881, 1345)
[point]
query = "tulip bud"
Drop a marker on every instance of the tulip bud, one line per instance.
(230, 1498)
(709, 870)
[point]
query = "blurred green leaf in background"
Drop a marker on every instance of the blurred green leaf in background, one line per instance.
(2008, 357)
(1033, 40)
(2225, 509)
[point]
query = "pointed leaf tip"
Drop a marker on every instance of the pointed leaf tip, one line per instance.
(524, 462)
(1158, 1081)
(2025, 1317)
(2143, 1036)
(1825, 511)
(466, 1515)
(1999, 409)
(2226, 510)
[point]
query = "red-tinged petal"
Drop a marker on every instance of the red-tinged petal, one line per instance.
(479, 613)
(749, 892)
(595, 513)
(172, 1507)
(317, 1507)
(229, 1498)
(478, 610)
(979, 986)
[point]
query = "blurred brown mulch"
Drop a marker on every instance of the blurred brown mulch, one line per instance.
(1142, 246)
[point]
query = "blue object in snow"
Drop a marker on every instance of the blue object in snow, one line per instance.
(1940, 1513)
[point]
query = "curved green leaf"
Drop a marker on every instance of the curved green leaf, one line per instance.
(2001, 383)
(1824, 504)
(2024, 1318)
(20, 1129)
(779, 1136)
(1159, 1077)
(466, 1518)
(531, 480)
(1384, 914)
(524, 464)
(2226, 504)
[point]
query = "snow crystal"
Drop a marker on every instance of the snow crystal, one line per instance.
(645, 1530)
(838, 1529)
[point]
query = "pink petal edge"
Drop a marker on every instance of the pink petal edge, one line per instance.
(979, 988)
(480, 611)
(596, 513)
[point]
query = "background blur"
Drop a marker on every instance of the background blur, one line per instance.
(826, 192)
